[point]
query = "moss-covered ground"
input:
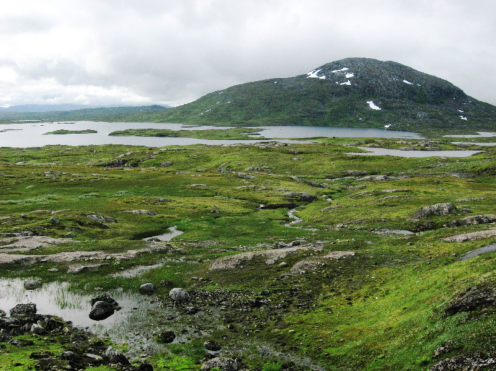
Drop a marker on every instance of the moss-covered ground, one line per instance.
(381, 309)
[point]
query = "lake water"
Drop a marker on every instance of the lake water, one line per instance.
(31, 134)
(480, 134)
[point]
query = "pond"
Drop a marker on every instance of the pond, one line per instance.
(412, 154)
(131, 324)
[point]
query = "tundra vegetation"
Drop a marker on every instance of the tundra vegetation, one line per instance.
(292, 257)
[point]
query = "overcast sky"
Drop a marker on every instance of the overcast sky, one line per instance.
(103, 52)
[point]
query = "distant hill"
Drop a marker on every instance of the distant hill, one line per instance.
(353, 92)
(143, 113)
(44, 107)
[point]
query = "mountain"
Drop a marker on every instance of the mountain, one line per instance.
(352, 92)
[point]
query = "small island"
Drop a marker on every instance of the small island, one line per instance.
(63, 132)
(211, 134)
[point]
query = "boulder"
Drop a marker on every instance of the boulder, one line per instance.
(223, 364)
(167, 336)
(142, 212)
(147, 289)
(102, 219)
(212, 345)
(101, 310)
(107, 298)
(179, 295)
(23, 310)
(32, 284)
(435, 210)
(115, 357)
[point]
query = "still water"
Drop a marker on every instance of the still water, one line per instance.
(31, 134)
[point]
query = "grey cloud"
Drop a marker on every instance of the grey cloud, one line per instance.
(175, 51)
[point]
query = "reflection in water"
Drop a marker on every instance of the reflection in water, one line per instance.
(131, 324)
(173, 232)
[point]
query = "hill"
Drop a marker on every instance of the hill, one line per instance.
(353, 92)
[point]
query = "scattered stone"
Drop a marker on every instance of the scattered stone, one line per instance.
(166, 164)
(32, 284)
(37, 329)
(223, 364)
(435, 210)
(167, 336)
(198, 186)
(147, 289)
(215, 210)
(53, 270)
(23, 310)
(54, 221)
(179, 295)
(101, 310)
(191, 310)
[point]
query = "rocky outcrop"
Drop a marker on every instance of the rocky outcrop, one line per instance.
(464, 237)
(300, 196)
(472, 220)
(270, 256)
(435, 210)
(473, 299)
(465, 362)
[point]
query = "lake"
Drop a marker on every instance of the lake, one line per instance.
(31, 134)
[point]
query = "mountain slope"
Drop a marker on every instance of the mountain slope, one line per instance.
(337, 94)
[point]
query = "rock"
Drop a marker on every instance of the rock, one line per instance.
(107, 298)
(283, 264)
(212, 345)
(2, 313)
(179, 295)
(54, 221)
(102, 219)
(115, 357)
(142, 212)
(223, 364)
(444, 348)
(198, 186)
(53, 270)
(37, 329)
(300, 196)
(23, 310)
(191, 310)
(376, 178)
(435, 210)
(167, 336)
(145, 367)
(464, 362)
(166, 164)
(69, 356)
(166, 283)
(147, 289)
(32, 284)
(215, 210)
(471, 236)
(101, 310)
(472, 299)
(472, 220)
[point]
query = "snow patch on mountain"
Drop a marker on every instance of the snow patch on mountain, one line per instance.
(407, 82)
(373, 106)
